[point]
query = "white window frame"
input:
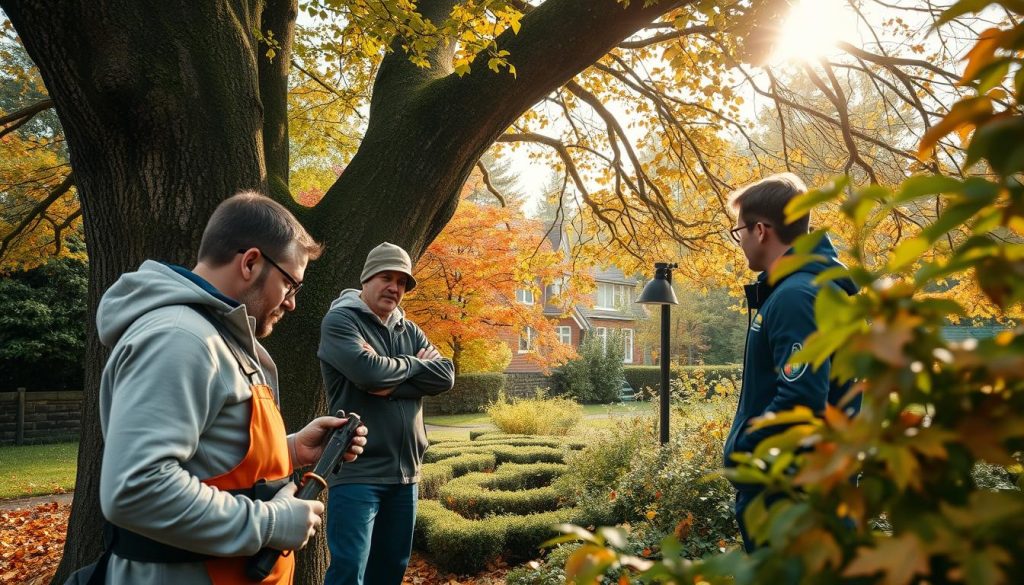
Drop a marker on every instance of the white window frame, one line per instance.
(524, 296)
(616, 297)
(602, 333)
(627, 346)
(599, 302)
(527, 335)
(564, 334)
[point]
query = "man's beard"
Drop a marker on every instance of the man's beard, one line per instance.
(255, 306)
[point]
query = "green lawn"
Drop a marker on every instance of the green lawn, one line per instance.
(33, 470)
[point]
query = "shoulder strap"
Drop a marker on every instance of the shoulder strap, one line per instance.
(245, 362)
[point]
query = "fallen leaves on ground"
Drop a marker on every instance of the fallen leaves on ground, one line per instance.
(31, 542)
(421, 572)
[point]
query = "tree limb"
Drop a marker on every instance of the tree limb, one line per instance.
(36, 213)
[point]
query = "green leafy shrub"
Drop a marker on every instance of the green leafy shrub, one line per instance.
(471, 393)
(594, 377)
(627, 477)
(535, 416)
(685, 381)
(42, 326)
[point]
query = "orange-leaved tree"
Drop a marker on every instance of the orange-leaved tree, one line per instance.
(468, 279)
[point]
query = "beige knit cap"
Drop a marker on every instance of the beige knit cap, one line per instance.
(388, 256)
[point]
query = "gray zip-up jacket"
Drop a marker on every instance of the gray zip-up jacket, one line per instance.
(394, 450)
(174, 410)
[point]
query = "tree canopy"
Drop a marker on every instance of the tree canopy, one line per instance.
(386, 107)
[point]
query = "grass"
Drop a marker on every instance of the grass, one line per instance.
(34, 470)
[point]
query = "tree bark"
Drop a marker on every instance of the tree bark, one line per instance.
(168, 108)
(161, 111)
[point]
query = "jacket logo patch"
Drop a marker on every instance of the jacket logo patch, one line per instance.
(791, 372)
(755, 326)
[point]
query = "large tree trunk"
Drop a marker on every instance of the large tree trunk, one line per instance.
(160, 107)
(168, 109)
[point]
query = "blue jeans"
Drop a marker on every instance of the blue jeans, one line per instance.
(369, 532)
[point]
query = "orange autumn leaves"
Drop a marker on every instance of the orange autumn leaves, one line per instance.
(466, 300)
(31, 542)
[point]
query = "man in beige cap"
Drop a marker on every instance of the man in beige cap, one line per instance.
(377, 363)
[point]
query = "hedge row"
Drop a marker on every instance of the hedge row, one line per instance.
(530, 441)
(650, 376)
(471, 393)
(513, 489)
(435, 475)
(459, 545)
(503, 453)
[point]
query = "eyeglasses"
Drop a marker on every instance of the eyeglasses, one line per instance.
(293, 284)
(734, 233)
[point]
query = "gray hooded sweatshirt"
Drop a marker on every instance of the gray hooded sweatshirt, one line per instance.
(174, 410)
(394, 450)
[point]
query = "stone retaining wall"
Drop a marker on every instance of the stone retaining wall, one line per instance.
(39, 417)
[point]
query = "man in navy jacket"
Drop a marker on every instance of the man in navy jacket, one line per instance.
(782, 317)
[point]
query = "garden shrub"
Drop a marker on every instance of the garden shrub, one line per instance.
(535, 416)
(471, 393)
(685, 381)
(594, 377)
(627, 477)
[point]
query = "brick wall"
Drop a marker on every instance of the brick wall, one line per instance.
(49, 417)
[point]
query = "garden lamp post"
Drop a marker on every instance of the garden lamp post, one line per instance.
(659, 292)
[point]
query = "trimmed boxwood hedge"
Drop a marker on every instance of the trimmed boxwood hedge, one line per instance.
(459, 545)
(435, 475)
(502, 453)
(471, 393)
(512, 489)
(478, 516)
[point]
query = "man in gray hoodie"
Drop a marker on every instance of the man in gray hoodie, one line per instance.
(189, 406)
(377, 363)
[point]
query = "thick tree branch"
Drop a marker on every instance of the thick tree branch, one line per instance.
(11, 122)
(36, 213)
(666, 36)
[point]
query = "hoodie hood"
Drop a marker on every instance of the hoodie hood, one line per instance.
(830, 259)
(349, 299)
(152, 286)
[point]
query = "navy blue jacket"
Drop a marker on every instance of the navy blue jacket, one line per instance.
(782, 318)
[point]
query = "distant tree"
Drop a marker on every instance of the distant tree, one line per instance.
(706, 327)
(469, 279)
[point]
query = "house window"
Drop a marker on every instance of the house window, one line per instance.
(526, 338)
(524, 296)
(602, 334)
(564, 334)
(627, 346)
(613, 296)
